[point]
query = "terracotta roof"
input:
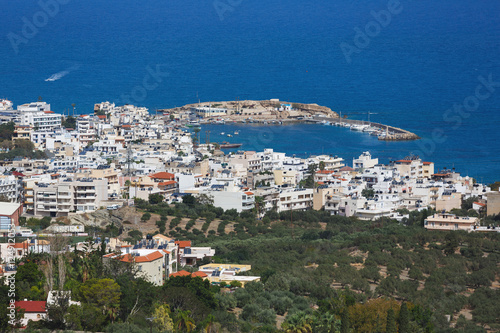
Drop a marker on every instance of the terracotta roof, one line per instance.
(32, 306)
(346, 168)
(162, 175)
(326, 172)
(403, 161)
(199, 274)
(101, 116)
(170, 182)
(21, 245)
(150, 257)
(126, 258)
(147, 258)
(180, 273)
(480, 204)
(249, 193)
(428, 163)
(183, 244)
(48, 111)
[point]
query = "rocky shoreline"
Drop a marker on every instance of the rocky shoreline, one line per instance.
(279, 111)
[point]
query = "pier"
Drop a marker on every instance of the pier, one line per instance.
(391, 133)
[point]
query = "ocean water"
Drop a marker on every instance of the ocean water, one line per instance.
(416, 69)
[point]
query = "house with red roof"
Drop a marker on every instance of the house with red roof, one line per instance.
(149, 264)
(33, 310)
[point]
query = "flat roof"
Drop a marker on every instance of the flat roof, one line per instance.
(8, 208)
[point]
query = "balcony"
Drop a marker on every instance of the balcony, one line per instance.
(90, 190)
(90, 198)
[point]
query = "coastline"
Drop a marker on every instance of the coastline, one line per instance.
(275, 111)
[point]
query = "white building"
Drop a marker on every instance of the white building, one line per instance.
(39, 116)
(10, 188)
(364, 161)
(295, 199)
(83, 195)
(206, 112)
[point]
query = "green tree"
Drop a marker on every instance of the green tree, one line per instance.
(103, 294)
(344, 322)
(69, 122)
(404, 319)
(155, 198)
(162, 318)
(298, 322)
(368, 192)
(189, 200)
(184, 322)
(371, 272)
(391, 322)
(259, 205)
(145, 217)
(451, 243)
(467, 203)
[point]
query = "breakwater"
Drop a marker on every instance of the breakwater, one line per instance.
(387, 132)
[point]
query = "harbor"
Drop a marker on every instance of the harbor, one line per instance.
(275, 112)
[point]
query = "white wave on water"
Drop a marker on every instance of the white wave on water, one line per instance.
(61, 74)
(57, 76)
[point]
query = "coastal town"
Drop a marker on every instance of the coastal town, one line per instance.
(93, 170)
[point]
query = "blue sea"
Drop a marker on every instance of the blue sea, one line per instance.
(415, 64)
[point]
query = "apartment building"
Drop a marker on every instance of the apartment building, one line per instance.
(271, 159)
(248, 159)
(330, 162)
(450, 222)
(286, 177)
(22, 132)
(413, 167)
(493, 203)
(10, 188)
(364, 161)
(39, 116)
(295, 199)
(58, 199)
(241, 201)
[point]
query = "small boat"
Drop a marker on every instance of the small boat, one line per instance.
(236, 132)
(222, 133)
(358, 128)
(226, 144)
(229, 135)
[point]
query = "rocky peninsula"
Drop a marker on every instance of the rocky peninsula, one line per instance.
(274, 110)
